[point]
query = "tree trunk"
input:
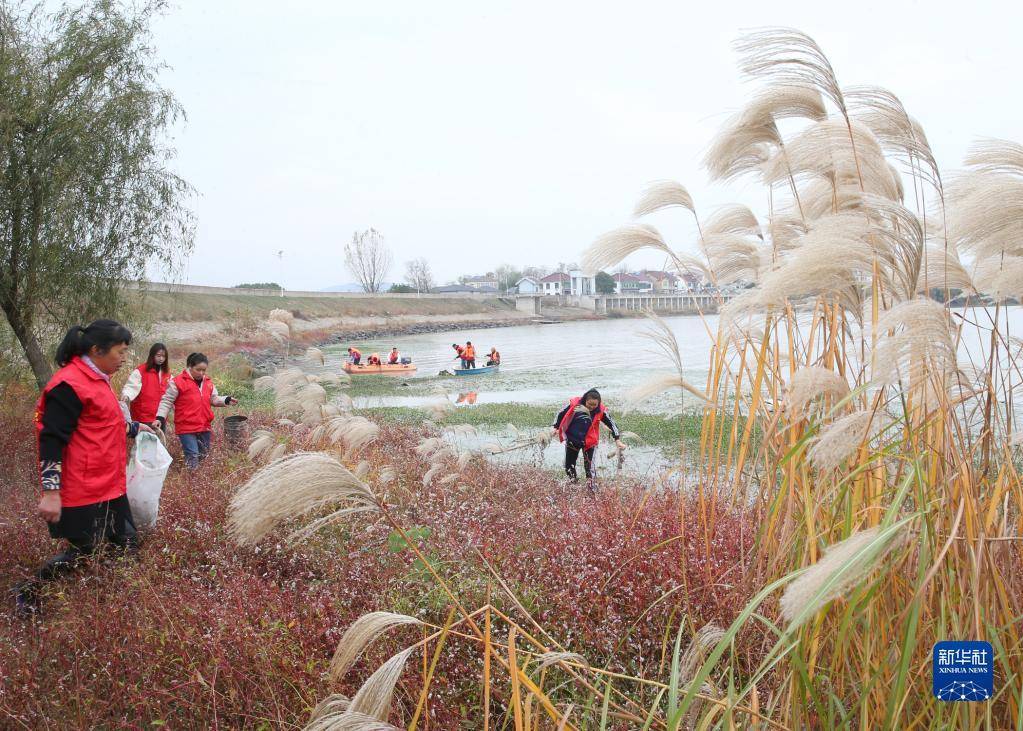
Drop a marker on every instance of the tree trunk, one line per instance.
(30, 345)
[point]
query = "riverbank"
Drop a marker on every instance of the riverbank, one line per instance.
(218, 320)
(197, 632)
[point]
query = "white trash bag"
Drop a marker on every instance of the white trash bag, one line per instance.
(146, 472)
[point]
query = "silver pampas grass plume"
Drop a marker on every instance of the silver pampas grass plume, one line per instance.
(843, 566)
(315, 355)
(360, 635)
(839, 440)
(915, 340)
(788, 57)
(813, 382)
(547, 659)
(288, 488)
(663, 194)
(658, 385)
(374, 697)
(262, 444)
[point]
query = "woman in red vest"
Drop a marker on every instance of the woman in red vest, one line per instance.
(578, 426)
(147, 384)
(83, 451)
(192, 395)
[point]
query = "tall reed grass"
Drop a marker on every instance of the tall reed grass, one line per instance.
(866, 423)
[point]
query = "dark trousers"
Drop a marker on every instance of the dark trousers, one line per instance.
(196, 447)
(86, 528)
(572, 457)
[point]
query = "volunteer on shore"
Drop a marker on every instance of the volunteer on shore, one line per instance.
(147, 384)
(192, 395)
(83, 452)
(578, 426)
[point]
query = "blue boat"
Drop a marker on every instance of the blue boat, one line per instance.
(482, 370)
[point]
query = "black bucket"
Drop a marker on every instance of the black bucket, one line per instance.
(235, 430)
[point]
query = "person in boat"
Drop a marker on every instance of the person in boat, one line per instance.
(393, 357)
(460, 354)
(82, 436)
(354, 356)
(192, 395)
(469, 354)
(374, 360)
(578, 426)
(494, 359)
(146, 385)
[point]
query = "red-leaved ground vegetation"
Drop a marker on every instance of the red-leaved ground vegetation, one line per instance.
(196, 632)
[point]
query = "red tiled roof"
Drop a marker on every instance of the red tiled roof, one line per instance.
(556, 277)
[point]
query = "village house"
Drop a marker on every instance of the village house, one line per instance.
(556, 284)
(485, 282)
(528, 285)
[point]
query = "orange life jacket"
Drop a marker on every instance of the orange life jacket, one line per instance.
(592, 434)
(470, 352)
(392, 358)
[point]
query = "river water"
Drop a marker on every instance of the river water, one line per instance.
(544, 364)
(548, 364)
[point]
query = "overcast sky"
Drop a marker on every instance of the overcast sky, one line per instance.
(475, 135)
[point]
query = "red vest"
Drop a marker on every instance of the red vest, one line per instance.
(592, 434)
(94, 462)
(192, 410)
(154, 383)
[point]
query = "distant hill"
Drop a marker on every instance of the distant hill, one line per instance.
(353, 287)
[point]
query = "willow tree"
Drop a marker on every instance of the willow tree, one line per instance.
(87, 197)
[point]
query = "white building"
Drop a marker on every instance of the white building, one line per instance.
(527, 285)
(556, 284)
(581, 284)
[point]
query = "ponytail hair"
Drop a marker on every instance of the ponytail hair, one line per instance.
(195, 359)
(101, 334)
(151, 360)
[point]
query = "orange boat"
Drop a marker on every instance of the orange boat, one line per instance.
(386, 369)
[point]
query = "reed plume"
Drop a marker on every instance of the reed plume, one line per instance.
(361, 634)
(840, 440)
(814, 382)
(663, 194)
(374, 697)
(843, 566)
(288, 488)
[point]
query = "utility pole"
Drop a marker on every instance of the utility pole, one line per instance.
(280, 268)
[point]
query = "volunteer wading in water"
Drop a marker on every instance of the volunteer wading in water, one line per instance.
(83, 452)
(578, 426)
(192, 395)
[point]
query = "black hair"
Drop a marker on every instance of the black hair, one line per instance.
(592, 393)
(468, 342)
(151, 360)
(195, 359)
(454, 345)
(101, 334)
